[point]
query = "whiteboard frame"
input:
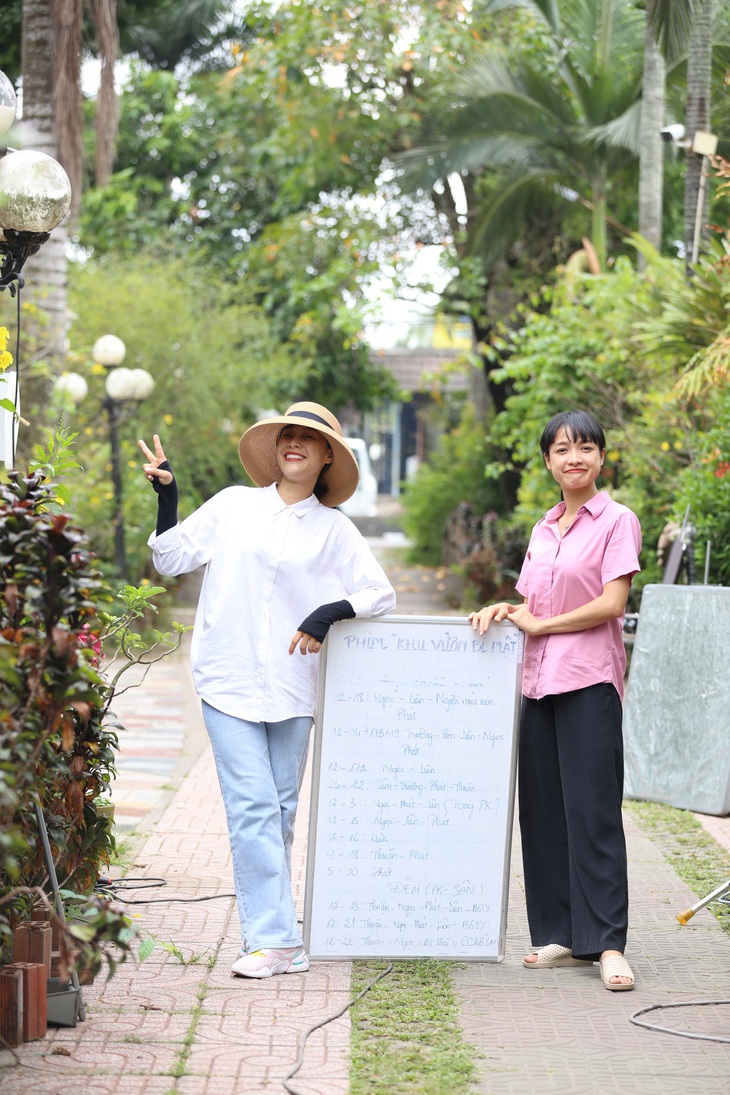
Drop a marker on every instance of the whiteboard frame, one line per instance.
(316, 805)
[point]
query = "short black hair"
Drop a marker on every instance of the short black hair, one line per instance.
(578, 425)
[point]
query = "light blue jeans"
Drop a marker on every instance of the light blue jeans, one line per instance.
(260, 770)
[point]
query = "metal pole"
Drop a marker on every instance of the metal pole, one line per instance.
(120, 553)
(53, 879)
(699, 211)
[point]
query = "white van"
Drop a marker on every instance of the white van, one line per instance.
(364, 501)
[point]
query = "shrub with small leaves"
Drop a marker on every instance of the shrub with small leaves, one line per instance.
(55, 751)
(65, 642)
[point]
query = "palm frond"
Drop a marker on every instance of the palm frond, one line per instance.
(500, 223)
(623, 132)
(707, 369)
(601, 33)
(608, 94)
(671, 21)
(549, 10)
(421, 167)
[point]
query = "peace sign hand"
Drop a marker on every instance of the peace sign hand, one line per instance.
(152, 467)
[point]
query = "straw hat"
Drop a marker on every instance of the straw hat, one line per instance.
(257, 450)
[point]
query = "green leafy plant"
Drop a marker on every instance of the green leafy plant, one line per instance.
(454, 473)
(58, 740)
(705, 487)
(55, 751)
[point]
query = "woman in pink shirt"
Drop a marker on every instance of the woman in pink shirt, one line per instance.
(575, 581)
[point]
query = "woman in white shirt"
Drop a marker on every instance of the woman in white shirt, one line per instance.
(281, 565)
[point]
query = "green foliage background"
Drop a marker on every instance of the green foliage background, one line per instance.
(261, 183)
(454, 474)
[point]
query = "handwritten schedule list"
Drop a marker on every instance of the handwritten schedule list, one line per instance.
(414, 786)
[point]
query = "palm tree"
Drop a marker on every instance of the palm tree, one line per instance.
(668, 26)
(699, 84)
(651, 155)
(559, 135)
(53, 31)
(46, 272)
(52, 113)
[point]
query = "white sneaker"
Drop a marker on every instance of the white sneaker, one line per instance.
(266, 963)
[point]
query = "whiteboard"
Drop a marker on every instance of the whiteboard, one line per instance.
(413, 790)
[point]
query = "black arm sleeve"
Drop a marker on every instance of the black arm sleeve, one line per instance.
(318, 623)
(166, 501)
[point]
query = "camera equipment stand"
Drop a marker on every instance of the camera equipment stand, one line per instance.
(716, 895)
(51, 868)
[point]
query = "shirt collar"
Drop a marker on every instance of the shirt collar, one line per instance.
(276, 503)
(594, 505)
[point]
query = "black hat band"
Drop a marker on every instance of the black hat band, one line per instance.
(308, 414)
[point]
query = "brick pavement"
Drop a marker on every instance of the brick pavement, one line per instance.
(182, 1012)
(179, 1023)
(561, 1030)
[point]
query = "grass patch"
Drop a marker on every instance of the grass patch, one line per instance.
(122, 859)
(690, 850)
(179, 1068)
(406, 1038)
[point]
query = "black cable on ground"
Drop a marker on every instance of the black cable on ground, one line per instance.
(680, 1033)
(110, 887)
(330, 1019)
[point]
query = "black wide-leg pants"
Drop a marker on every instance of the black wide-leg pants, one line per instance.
(573, 846)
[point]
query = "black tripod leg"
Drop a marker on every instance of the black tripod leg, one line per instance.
(51, 868)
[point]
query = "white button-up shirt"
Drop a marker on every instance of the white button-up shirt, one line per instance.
(267, 566)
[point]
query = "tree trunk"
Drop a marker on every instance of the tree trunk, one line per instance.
(598, 220)
(107, 113)
(45, 273)
(651, 156)
(699, 77)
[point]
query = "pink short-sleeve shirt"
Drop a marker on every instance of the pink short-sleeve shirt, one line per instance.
(560, 574)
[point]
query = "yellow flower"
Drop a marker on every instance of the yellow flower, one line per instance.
(168, 419)
(6, 359)
(614, 455)
(97, 370)
(132, 463)
(665, 446)
(678, 445)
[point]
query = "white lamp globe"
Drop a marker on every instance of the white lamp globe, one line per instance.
(109, 350)
(119, 385)
(7, 103)
(73, 386)
(35, 192)
(143, 384)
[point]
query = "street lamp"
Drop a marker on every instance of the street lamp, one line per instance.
(35, 196)
(122, 386)
(8, 103)
(72, 387)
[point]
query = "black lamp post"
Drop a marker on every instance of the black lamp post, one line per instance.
(123, 386)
